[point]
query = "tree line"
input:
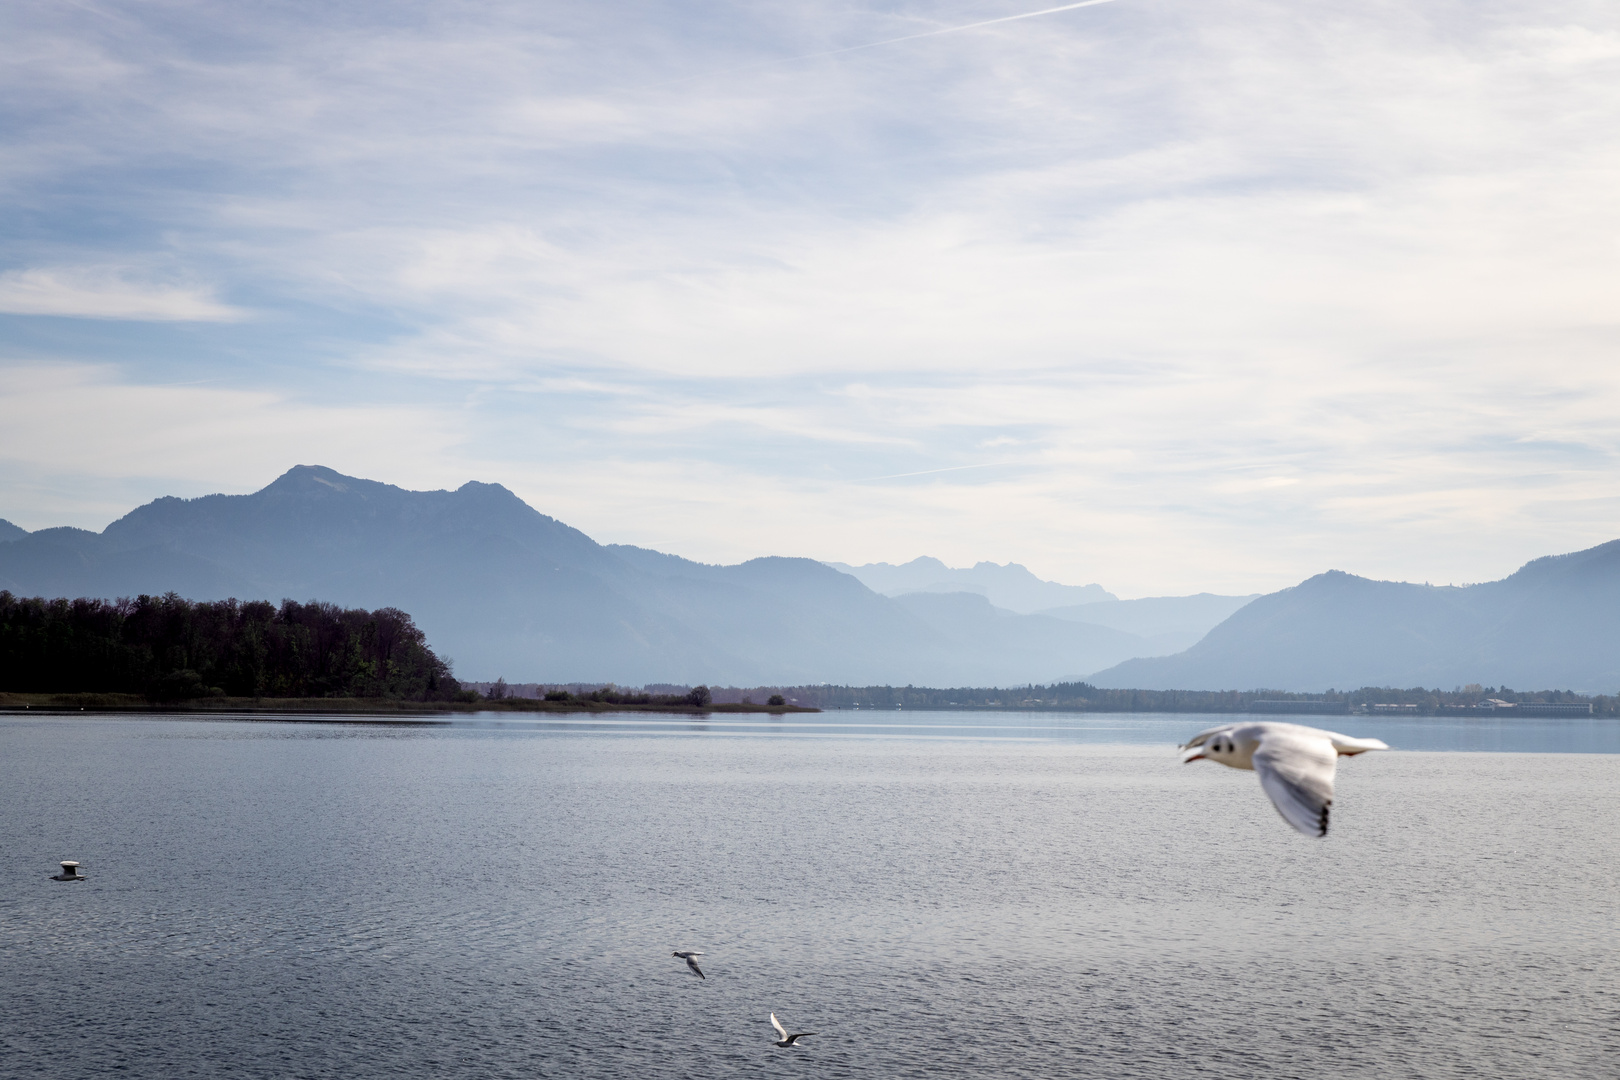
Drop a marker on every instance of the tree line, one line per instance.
(501, 690)
(171, 649)
(698, 696)
(1081, 696)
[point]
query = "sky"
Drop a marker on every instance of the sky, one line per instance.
(1167, 295)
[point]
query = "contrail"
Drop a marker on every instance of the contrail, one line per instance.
(951, 29)
(885, 41)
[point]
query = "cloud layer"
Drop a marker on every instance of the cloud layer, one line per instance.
(1165, 295)
(98, 292)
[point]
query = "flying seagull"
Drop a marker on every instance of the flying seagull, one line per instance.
(691, 963)
(786, 1039)
(1295, 763)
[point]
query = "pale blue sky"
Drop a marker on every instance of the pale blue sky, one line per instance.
(1162, 294)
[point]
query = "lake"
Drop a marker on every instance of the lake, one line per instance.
(937, 894)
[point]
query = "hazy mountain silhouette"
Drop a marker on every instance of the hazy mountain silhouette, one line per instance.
(506, 590)
(1555, 623)
(489, 579)
(1011, 587)
(1167, 624)
(8, 531)
(981, 633)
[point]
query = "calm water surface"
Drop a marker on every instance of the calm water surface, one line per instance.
(941, 895)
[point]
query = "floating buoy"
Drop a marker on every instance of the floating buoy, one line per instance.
(70, 872)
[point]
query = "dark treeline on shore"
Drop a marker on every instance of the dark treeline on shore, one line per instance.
(168, 649)
(1084, 697)
(593, 694)
(171, 649)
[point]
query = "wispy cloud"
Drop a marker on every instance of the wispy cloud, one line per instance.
(90, 427)
(102, 292)
(1238, 289)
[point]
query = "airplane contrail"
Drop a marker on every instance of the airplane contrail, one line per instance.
(953, 29)
(885, 41)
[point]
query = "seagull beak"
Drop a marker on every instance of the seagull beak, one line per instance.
(1192, 753)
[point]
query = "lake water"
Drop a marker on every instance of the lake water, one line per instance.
(939, 895)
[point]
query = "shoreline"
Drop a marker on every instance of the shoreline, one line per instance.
(16, 704)
(132, 704)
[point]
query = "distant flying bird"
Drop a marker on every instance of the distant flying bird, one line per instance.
(692, 964)
(786, 1039)
(1295, 763)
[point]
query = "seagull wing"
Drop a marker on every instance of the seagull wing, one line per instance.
(780, 1030)
(692, 963)
(798, 1035)
(1349, 747)
(1297, 774)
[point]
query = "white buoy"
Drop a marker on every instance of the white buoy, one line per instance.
(70, 872)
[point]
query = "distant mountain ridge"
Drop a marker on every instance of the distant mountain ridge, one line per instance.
(1555, 623)
(1167, 624)
(508, 591)
(1011, 587)
(505, 590)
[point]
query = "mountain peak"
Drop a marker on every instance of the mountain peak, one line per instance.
(1547, 625)
(320, 480)
(478, 487)
(322, 475)
(1011, 585)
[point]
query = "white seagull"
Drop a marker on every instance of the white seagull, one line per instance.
(786, 1039)
(692, 963)
(1295, 763)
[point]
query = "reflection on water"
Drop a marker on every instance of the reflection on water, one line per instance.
(946, 894)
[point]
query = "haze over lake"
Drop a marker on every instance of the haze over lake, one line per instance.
(936, 894)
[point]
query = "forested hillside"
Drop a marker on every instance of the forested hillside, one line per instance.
(172, 649)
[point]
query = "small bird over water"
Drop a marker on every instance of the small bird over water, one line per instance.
(786, 1039)
(1295, 764)
(691, 963)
